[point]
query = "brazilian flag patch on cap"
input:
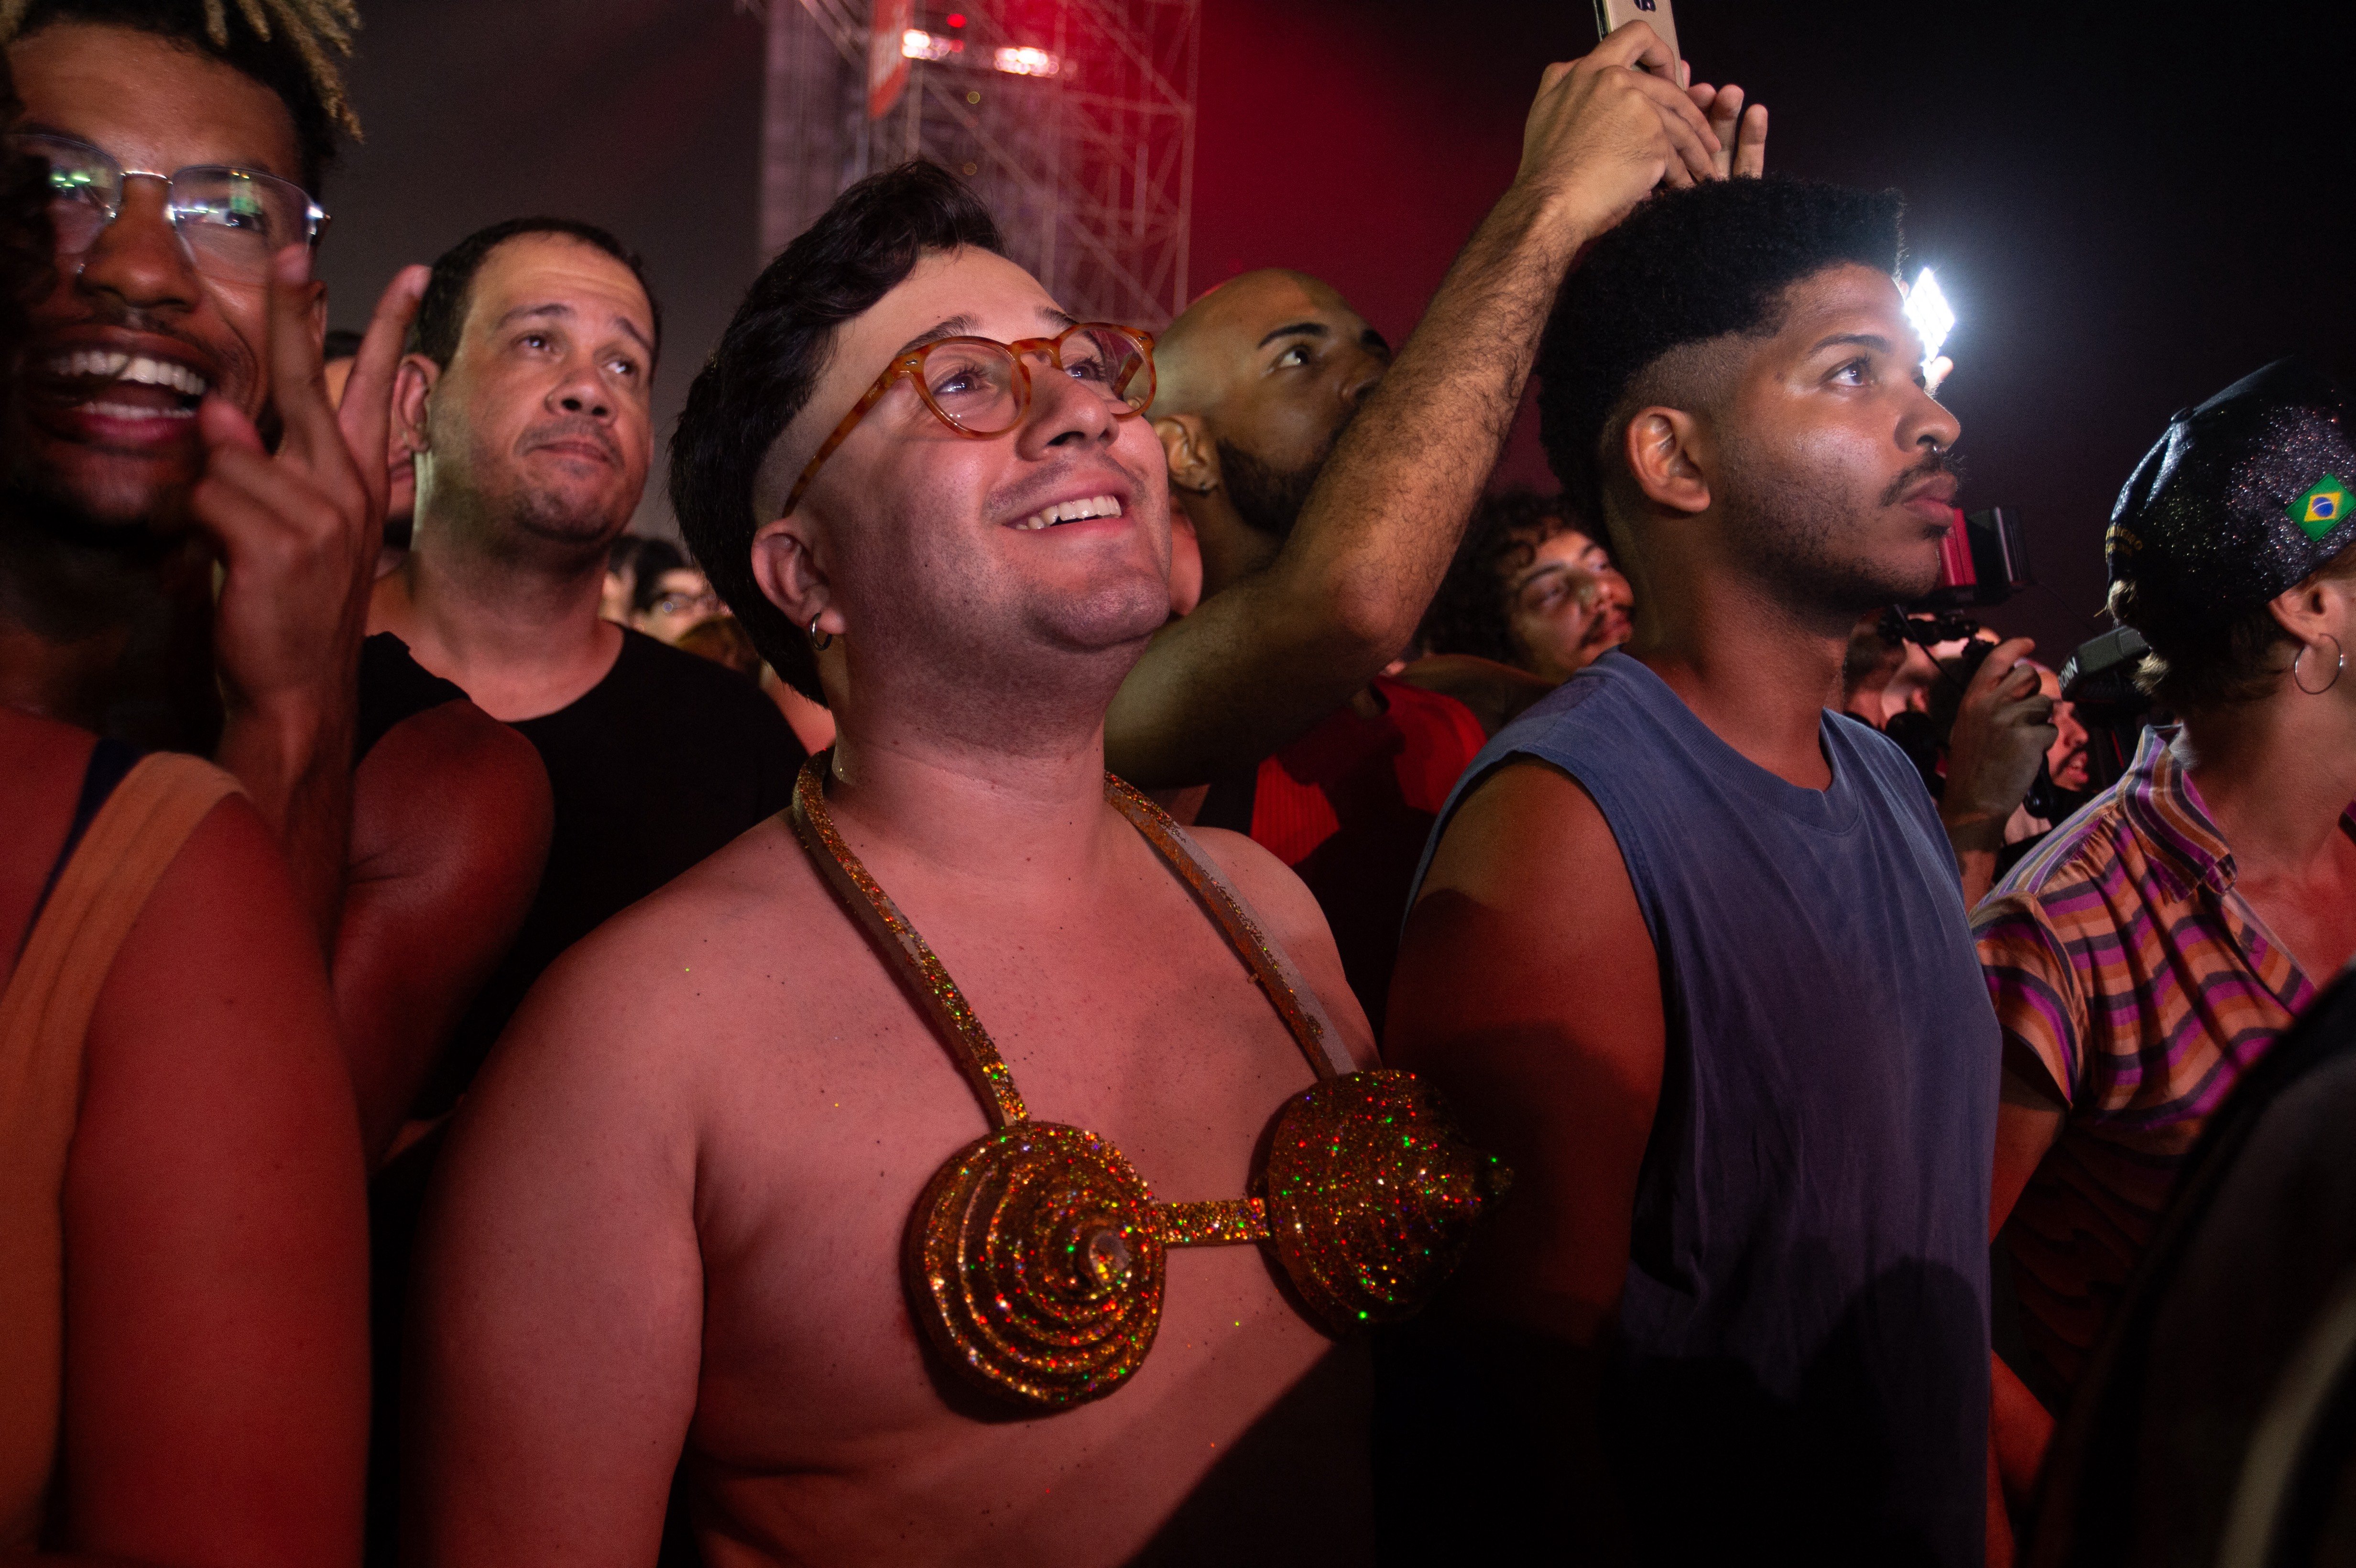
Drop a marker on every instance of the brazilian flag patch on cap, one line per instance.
(2319, 510)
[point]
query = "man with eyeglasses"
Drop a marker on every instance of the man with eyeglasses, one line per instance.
(672, 604)
(717, 1202)
(170, 424)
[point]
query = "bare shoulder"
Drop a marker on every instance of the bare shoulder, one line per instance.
(655, 1007)
(1527, 826)
(1526, 873)
(1288, 911)
(456, 758)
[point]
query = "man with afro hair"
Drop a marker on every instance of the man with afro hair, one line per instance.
(1690, 950)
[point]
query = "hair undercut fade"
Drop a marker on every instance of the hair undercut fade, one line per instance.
(1686, 266)
(290, 47)
(442, 313)
(768, 363)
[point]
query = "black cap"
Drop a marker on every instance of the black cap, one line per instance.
(2243, 497)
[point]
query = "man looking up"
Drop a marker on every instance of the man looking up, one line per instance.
(968, 608)
(1693, 948)
(1359, 522)
(1258, 378)
(526, 401)
(166, 351)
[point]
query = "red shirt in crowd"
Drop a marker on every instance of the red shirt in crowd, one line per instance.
(1348, 807)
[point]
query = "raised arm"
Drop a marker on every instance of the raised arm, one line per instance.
(557, 1330)
(1264, 659)
(216, 1230)
(1528, 993)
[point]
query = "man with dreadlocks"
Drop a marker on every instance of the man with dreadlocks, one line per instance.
(183, 1301)
(177, 343)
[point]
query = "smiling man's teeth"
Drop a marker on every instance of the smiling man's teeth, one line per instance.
(134, 368)
(1072, 512)
(135, 411)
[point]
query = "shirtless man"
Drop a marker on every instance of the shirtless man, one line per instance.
(416, 863)
(671, 1210)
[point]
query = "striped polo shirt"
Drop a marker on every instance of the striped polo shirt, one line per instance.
(2121, 959)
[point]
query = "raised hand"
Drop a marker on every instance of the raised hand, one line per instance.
(1605, 130)
(297, 532)
(1741, 133)
(2004, 726)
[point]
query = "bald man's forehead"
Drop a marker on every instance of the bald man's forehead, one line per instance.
(1258, 303)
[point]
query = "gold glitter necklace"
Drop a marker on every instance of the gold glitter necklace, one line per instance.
(1035, 1259)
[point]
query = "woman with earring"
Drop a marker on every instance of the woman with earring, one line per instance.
(2156, 945)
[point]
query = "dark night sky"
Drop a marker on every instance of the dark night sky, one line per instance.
(2129, 206)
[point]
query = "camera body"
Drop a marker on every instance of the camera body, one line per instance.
(2099, 678)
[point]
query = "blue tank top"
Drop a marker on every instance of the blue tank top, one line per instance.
(1802, 1359)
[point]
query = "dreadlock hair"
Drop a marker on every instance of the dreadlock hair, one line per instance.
(1685, 267)
(288, 46)
(768, 363)
(442, 313)
(1468, 614)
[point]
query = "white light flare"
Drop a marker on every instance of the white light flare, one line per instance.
(1028, 61)
(916, 44)
(1930, 313)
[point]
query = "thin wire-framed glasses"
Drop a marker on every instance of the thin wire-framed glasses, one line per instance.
(230, 221)
(980, 388)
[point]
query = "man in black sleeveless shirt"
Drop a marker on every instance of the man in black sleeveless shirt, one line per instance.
(1691, 950)
(526, 399)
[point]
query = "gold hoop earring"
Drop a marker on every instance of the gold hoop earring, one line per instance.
(2339, 664)
(819, 640)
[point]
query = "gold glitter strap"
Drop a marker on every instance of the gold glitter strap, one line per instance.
(1296, 1002)
(1214, 1223)
(919, 969)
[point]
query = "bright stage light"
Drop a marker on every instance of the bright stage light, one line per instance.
(1931, 316)
(919, 44)
(1027, 61)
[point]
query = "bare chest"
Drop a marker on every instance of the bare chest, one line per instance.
(847, 1103)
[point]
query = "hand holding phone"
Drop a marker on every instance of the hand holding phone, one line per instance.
(1613, 15)
(1742, 138)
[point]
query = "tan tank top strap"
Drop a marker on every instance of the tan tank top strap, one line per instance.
(1296, 1002)
(45, 1013)
(920, 971)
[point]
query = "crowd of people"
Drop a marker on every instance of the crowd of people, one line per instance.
(1117, 962)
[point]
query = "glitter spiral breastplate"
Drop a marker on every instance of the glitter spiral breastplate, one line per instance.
(1035, 1259)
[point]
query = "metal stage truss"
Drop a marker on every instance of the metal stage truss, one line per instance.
(1073, 119)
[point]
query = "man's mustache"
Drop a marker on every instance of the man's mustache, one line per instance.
(1930, 467)
(575, 430)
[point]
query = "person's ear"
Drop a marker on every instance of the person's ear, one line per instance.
(1666, 456)
(412, 384)
(2317, 609)
(786, 568)
(1193, 456)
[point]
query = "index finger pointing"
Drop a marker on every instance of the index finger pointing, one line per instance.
(298, 376)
